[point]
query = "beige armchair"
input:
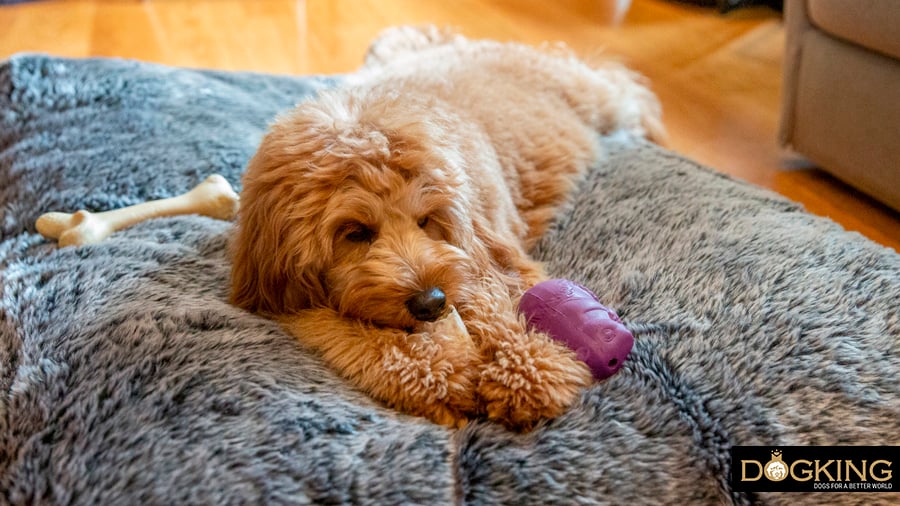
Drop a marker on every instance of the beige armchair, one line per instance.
(841, 100)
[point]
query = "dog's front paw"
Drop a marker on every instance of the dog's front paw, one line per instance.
(439, 369)
(530, 380)
(443, 414)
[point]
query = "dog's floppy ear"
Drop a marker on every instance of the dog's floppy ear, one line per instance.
(276, 262)
(506, 255)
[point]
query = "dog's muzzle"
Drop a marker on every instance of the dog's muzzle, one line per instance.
(427, 305)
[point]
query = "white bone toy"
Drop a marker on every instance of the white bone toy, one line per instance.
(214, 197)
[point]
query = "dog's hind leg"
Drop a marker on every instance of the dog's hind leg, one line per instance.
(625, 102)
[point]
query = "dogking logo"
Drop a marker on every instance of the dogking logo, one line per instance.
(776, 470)
(815, 469)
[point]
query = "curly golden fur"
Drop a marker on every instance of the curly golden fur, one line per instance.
(371, 212)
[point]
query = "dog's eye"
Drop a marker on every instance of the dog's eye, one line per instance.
(359, 233)
(432, 228)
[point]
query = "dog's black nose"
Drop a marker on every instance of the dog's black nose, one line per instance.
(427, 305)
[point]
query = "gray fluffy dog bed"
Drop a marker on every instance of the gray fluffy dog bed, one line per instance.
(127, 378)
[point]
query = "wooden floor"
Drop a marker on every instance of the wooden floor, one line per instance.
(718, 77)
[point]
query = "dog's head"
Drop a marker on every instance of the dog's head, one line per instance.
(361, 204)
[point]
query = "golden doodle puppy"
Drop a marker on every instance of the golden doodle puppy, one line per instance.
(386, 224)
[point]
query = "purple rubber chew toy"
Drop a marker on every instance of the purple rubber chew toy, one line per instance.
(572, 314)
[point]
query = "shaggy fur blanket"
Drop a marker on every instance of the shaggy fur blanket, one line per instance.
(127, 378)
